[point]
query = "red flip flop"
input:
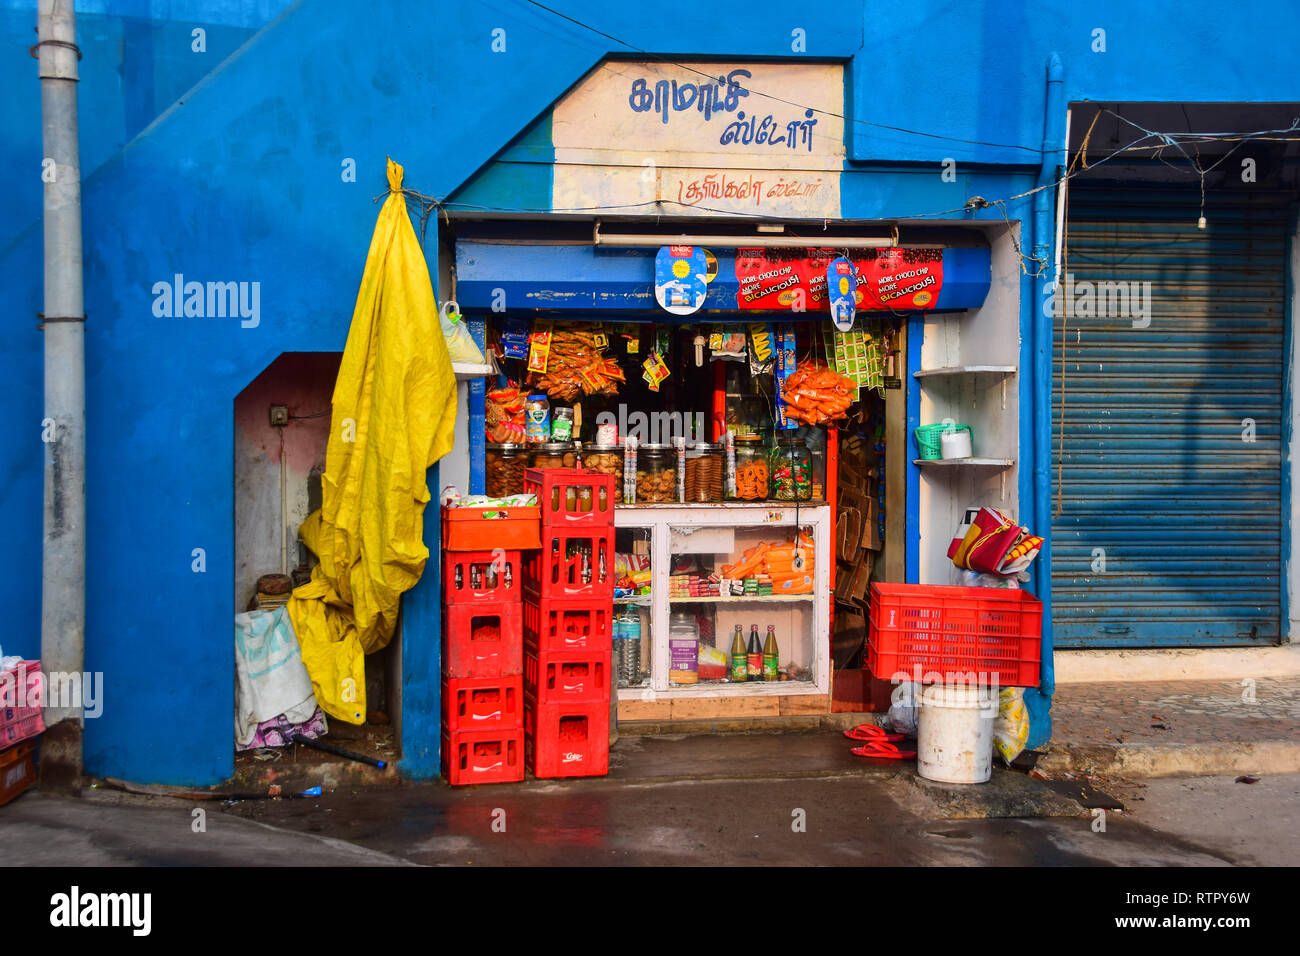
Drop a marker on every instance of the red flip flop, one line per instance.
(870, 732)
(882, 750)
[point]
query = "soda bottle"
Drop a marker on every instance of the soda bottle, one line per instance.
(739, 660)
(771, 665)
(754, 656)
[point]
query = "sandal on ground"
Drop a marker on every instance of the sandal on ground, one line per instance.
(870, 732)
(882, 750)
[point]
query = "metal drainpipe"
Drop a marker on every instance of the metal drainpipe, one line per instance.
(63, 573)
(1053, 149)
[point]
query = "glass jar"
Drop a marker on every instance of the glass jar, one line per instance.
(704, 472)
(554, 454)
(752, 468)
(608, 460)
(505, 470)
(791, 467)
(656, 474)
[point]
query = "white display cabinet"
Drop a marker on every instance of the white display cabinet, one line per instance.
(717, 535)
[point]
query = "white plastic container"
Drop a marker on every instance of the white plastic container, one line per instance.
(954, 740)
(955, 444)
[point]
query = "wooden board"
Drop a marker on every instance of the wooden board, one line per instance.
(725, 707)
(644, 710)
(805, 705)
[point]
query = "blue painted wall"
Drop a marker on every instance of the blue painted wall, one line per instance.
(242, 183)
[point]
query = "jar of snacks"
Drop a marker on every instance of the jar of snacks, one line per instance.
(608, 460)
(554, 454)
(505, 470)
(656, 474)
(751, 468)
(791, 466)
(704, 472)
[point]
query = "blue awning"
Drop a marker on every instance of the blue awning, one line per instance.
(508, 277)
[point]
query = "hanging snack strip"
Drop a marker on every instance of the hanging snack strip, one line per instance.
(575, 364)
(680, 444)
(816, 394)
(629, 470)
(729, 444)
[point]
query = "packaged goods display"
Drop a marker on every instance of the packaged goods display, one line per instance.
(576, 365)
(504, 415)
(815, 394)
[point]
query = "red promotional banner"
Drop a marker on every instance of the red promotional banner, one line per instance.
(896, 280)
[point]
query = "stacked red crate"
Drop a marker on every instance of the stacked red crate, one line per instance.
(22, 697)
(482, 667)
(568, 620)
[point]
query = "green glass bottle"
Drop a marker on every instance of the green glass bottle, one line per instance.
(771, 664)
(739, 662)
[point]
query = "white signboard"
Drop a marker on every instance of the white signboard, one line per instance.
(702, 138)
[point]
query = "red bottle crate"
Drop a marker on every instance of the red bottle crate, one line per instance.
(483, 640)
(485, 576)
(483, 756)
(569, 564)
(551, 625)
(578, 677)
(567, 740)
(949, 633)
(482, 703)
(17, 770)
(484, 528)
(572, 497)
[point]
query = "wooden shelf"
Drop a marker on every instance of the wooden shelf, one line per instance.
(973, 462)
(966, 370)
(465, 371)
(641, 600)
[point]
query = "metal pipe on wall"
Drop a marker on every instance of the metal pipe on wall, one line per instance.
(1054, 110)
(63, 572)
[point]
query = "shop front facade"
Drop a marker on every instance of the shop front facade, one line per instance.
(561, 164)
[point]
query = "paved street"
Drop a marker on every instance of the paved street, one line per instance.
(871, 817)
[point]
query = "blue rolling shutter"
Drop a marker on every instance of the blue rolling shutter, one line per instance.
(1150, 469)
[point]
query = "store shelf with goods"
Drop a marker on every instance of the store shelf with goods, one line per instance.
(687, 633)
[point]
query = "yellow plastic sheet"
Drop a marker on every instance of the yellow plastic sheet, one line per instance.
(393, 417)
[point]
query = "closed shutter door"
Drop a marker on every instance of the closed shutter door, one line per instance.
(1167, 449)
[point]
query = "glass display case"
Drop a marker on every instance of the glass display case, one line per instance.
(751, 576)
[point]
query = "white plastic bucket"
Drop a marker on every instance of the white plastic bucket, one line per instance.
(954, 740)
(955, 444)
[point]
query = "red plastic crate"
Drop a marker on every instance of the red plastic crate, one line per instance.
(482, 703)
(477, 577)
(483, 756)
(579, 677)
(572, 497)
(483, 640)
(482, 529)
(20, 730)
(551, 625)
(567, 740)
(17, 771)
(22, 692)
(572, 563)
(950, 633)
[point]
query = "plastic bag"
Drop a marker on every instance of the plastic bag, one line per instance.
(904, 709)
(460, 346)
(1011, 727)
(960, 577)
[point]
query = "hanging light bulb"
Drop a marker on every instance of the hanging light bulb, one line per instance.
(1200, 223)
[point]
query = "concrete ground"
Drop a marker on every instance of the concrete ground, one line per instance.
(748, 799)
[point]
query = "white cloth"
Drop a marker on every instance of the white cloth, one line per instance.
(270, 678)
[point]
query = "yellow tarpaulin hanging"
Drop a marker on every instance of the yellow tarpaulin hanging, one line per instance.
(393, 417)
